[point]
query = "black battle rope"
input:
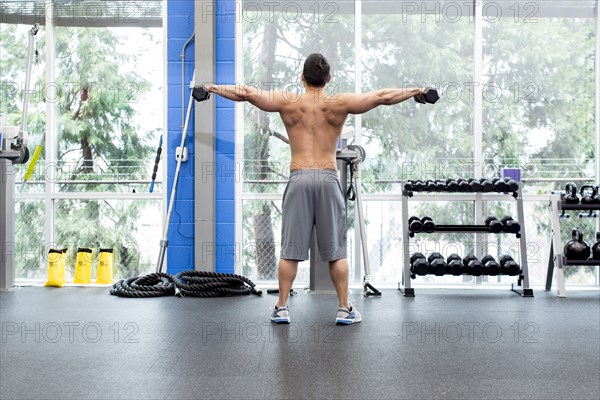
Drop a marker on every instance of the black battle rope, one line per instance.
(185, 283)
(151, 285)
(213, 284)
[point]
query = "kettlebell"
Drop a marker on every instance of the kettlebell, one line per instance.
(570, 195)
(577, 249)
(589, 194)
(596, 248)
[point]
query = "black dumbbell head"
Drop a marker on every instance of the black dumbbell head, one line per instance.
(416, 256)
(438, 266)
(414, 224)
(420, 266)
(487, 258)
(463, 186)
(441, 186)
(428, 225)
(511, 225)
(432, 186)
(476, 267)
(487, 186)
(512, 268)
(512, 185)
(491, 268)
(490, 219)
(453, 257)
(429, 95)
(456, 267)
(452, 186)
(468, 259)
(504, 259)
(500, 186)
(475, 186)
(434, 256)
(419, 186)
(200, 93)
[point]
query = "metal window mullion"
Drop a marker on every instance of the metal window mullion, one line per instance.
(238, 132)
(597, 119)
(50, 132)
(357, 121)
(478, 119)
(165, 133)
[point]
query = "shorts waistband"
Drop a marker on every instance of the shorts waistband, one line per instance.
(297, 172)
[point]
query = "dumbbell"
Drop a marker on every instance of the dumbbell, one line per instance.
(419, 186)
(200, 93)
(432, 186)
(475, 185)
(511, 185)
(451, 185)
(490, 266)
(419, 264)
(472, 266)
(463, 185)
(414, 224)
(441, 185)
(486, 185)
(428, 225)
(437, 264)
(508, 266)
(455, 264)
(429, 95)
(499, 185)
(494, 225)
(510, 225)
(570, 195)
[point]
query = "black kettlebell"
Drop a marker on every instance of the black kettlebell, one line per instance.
(570, 195)
(596, 248)
(589, 194)
(577, 249)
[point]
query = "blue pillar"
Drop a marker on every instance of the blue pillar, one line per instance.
(180, 26)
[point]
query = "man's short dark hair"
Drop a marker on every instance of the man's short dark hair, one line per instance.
(316, 70)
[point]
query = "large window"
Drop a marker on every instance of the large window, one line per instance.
(275, 45)
(536, 68)
(90, 187)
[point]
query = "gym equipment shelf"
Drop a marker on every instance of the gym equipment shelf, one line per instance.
(464, 228)
(483, 274)
(559, 261)
(522, 286)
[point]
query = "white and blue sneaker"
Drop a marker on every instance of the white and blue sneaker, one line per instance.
(347, 316)
(281, 315)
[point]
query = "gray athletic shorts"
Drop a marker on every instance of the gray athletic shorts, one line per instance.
(313, 197)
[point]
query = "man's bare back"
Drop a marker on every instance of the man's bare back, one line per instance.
(313, 120)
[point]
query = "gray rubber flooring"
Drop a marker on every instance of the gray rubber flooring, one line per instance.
(81, 343)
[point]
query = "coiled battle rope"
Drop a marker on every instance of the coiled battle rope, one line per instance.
(185, 283)
(213, 284)
(151, 285)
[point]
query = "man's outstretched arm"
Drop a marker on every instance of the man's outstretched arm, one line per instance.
(358, 103)
(266, 100)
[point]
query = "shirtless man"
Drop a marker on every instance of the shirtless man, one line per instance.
(313, 121)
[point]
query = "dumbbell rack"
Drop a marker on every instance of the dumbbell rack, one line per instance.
(522, 286)
(556, 258)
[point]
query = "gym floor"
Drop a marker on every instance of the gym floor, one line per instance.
(81, 343)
